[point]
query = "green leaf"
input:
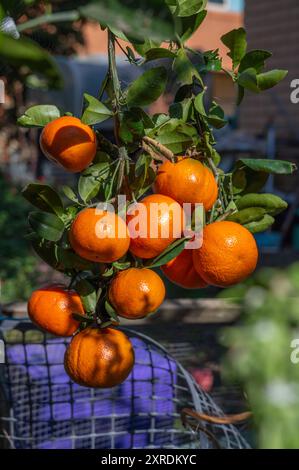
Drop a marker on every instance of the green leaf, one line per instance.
(131, 125)
(95, 111)
(216, 116)
(88, 187)
(278, 167)
(245, 216)
(148, 87)
(142, 164)
(70, 194)
(145, 46)
(47, 226)
(236, 42)
(254, 59)
(199, 103)
(190, 7)
(121, 266)
(187, 26)
(181, 110)
(26, 53)
(184, 68)
(260, 225)
(182, 8)
(39, 116)
(111, 312)
(87, 293)
(168, 254)
(158, 53)
(271, 203)
(248, 80)
(43, 197)
(270, 79)
(90, 180)
(137, 19)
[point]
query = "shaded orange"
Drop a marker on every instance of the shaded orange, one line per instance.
(228, 254)
(134, 293)
(187, 181)
(181, 271)
(100, 358)
(69, 143)
(99, 236)
(51, 308)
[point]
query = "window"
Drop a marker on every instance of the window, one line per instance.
(219, 4)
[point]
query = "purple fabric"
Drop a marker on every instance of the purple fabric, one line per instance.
(49, 409)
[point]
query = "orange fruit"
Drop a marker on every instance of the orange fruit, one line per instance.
(100, 358)
(187, 180)
(99, 236)
(228, 254)
(134, 293)
(160, 221)
(181, 271)
(51, 308)
(69, 143)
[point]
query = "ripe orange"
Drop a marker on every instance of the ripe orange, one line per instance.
(160, 220)
(99, 236)
(69, 143)
(181, 271)
(51, 308)
(134, 293)
(228, 254)
(188, 180)
(100, 358)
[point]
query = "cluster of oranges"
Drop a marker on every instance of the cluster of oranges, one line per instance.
(104, 357)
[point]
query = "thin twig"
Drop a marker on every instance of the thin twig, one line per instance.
(161, 148)
(148, 149)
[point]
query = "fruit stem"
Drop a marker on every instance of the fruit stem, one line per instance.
(113, 76)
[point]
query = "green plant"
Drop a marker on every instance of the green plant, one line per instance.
(261, 353)
(18, 266)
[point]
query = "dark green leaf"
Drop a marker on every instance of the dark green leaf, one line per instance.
(131, 125)
(168, 254)
(144, 47)
(70, 194)
(142, 165)
(181, 110)
(43, 197)
(95, 111)
(39, 116)
(279, 167)
(216, 116)
(26, 53)
(270, 79)
(47, 226)
(236, 42)
(248, 80)
(254, 59)
(87, 293)
(148, 87)
(111, 312)
(158, 53)
(184, 8)
(184, 68)
(138, 19)
(187, 26)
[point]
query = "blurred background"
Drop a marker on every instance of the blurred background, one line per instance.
(266, 125)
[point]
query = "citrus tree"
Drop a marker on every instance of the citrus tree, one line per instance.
(174, 154)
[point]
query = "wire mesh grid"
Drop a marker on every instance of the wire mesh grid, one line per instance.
(41, 408)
